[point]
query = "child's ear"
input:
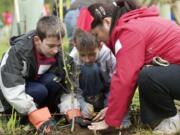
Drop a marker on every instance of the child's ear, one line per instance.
(73, 43)
(107, 21)
(37, 40)
(100, 44)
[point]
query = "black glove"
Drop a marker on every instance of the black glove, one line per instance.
(48, 124)
(82, 122)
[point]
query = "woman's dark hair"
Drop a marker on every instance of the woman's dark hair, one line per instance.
(122, 7)
(114, 10)
(99, 11)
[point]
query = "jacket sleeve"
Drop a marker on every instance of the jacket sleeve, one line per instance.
(12, 83)
(111, 63)
(130, 55)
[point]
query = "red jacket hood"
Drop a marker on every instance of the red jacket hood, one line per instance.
(139, 13)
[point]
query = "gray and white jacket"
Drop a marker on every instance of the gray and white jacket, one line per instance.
(105, 59)
(19, 65)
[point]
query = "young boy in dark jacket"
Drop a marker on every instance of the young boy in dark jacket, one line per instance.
(32, 75)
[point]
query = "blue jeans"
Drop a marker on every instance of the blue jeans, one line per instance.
(126, 122)
(92, 85)
(90, 80)
(45, 91)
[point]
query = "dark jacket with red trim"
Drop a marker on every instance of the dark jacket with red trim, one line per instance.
(19, 65)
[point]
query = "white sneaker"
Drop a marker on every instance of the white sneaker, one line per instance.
(169, 126)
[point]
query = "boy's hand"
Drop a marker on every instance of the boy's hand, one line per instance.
(46, 127)
(88, 111)
(41, 119)
(100, 115)
(82, 122)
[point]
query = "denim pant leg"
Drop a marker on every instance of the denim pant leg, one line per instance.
(92, 85)
(126, 120)
(54, 90)
(90, 80)
(38, 91)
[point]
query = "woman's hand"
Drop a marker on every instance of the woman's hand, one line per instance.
(98, 126)
(100, 116)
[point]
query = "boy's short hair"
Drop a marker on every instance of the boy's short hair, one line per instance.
(50, 26)
(84, 39)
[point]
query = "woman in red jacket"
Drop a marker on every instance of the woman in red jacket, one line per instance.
(139, 37)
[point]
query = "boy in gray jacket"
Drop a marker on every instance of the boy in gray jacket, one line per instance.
(96, 64)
